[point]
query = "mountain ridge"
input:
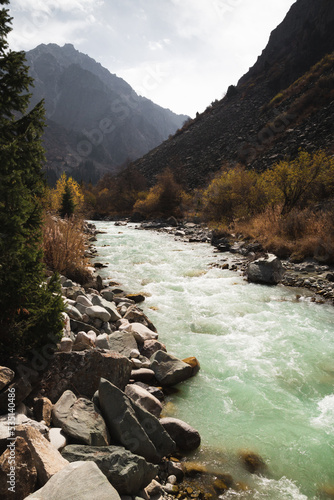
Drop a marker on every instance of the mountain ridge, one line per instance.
(245, 127)
(95, 121)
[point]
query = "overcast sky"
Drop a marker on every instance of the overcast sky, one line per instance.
(182, 54)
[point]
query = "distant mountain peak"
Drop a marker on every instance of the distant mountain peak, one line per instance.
(96, 121)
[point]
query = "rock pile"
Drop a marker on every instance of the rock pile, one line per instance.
(86, 417)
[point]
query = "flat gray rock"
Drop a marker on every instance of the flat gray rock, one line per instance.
(77, 481)
(128, 473)
(122, 342)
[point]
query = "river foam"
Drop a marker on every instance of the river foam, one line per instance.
(266, 379)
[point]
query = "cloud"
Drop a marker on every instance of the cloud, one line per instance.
(201, 46)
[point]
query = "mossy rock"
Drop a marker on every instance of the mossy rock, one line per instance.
(193, 469)
(252, 462)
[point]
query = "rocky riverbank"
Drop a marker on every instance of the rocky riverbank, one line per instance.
(83, 418)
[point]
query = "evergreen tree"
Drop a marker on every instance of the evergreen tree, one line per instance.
(30, 310)
(67, 202)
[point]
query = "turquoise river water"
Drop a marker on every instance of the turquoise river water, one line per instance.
(267, 365)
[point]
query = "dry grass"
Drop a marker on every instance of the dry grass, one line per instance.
(64, 247)
(299, 235)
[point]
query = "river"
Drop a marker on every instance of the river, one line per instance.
(267, 364)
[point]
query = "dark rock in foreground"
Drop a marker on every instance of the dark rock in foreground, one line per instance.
(127, 473)
(83, 370)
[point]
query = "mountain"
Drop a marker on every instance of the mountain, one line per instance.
(95, 120)
(283, 103)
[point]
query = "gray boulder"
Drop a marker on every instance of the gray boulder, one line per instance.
(109, 306)
(144, 399)
(149, 347)
(141, 332)
(185, 436)
(73, 312)
(122, 342)
(80, 420)
(102, 341)
(127, 473)
(168, 369)
(83, 371)
(77, 481)
(131, 426)
(98, 312)
(267, 270)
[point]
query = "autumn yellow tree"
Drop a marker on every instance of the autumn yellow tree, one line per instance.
(234, 193)
(56, 194)
(297, 183)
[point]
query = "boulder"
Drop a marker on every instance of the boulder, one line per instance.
(6, 376)
(136, 297)
(47, 459)
(144, 399)
(141, 332)
(128, 473)
(142, 375)
(66, 344)
(107, 294)
(42, 410)
(73, 312)
(25, 478)
(122, 342)
(135, 315)
(83, 300)
(168, 369)
(22, 420)
(267, 270)
(77, 481)
(149, 347)
(194, 363)
(109, 306)
(83, 371)
(82, 342)
(102, 341)
(62, 408)
(131, 426)
(185, 436)
(98, 312)
(80, 420)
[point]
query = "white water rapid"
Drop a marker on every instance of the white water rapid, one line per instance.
(267, 364)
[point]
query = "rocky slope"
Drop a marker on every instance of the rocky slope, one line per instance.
(95, 120)
(283, 103)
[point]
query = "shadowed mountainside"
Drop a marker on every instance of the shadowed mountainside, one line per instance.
(283, 103)
(96, 121)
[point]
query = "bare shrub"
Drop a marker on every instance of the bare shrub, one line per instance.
(64, 247)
